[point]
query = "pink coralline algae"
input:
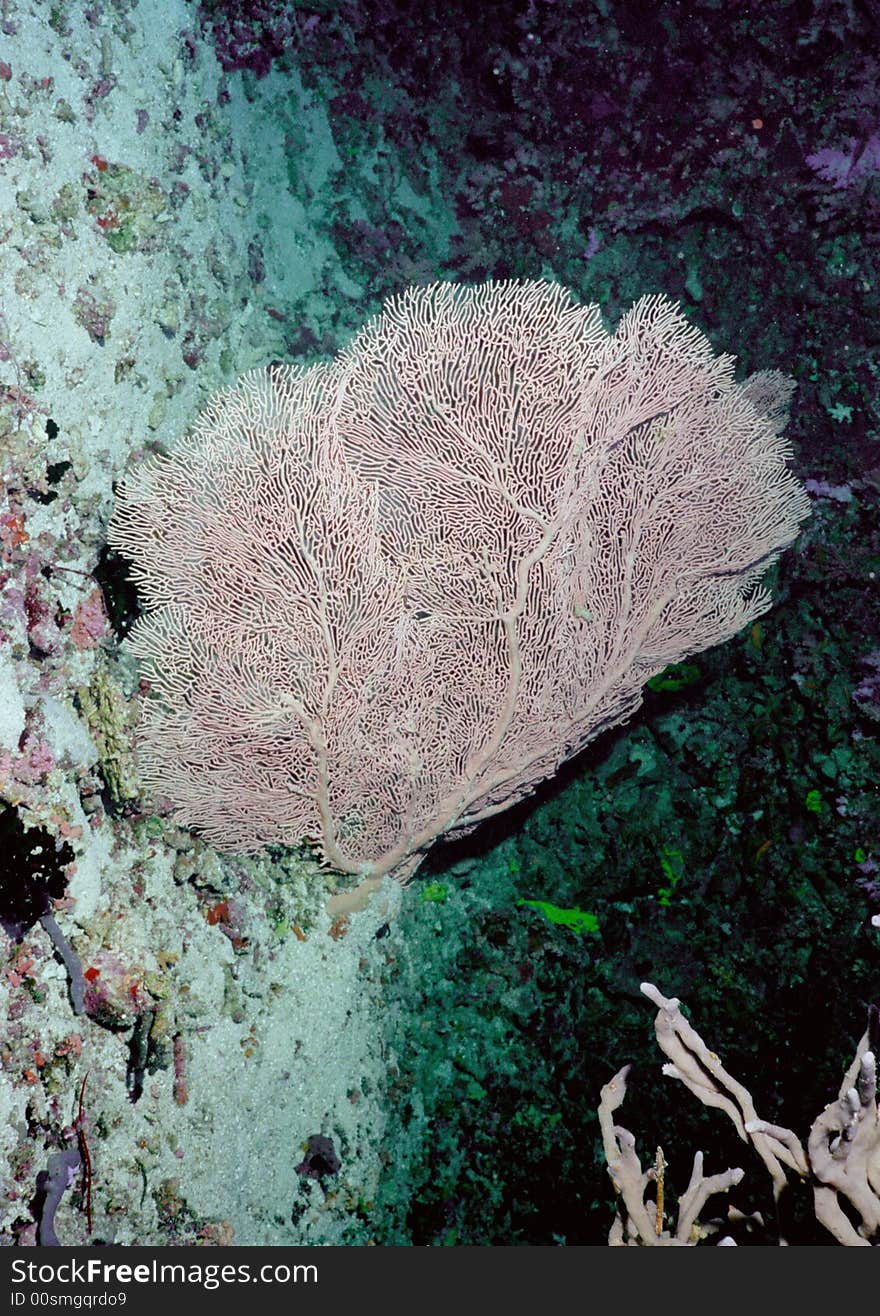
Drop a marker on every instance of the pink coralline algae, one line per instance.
(10, 145)
(40, 605)
(90, 621)
(37, 759)
(12, 531)
(93, 309)
(115, 995)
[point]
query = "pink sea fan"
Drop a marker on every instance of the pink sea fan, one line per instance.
(388, 595)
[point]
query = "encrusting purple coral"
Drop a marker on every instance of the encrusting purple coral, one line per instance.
(61, 1169)
(71, 962)
(320, 1159)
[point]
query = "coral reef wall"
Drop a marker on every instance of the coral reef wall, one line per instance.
(154, 217)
